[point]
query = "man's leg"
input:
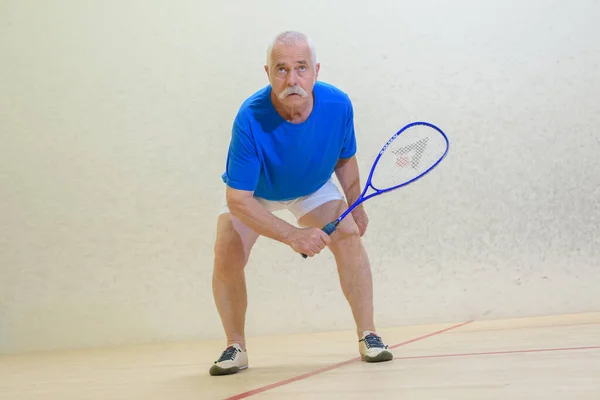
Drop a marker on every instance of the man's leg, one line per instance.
(351, 259)
(233, 243)
(354, 271)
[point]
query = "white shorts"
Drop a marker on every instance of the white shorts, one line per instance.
(302, 205)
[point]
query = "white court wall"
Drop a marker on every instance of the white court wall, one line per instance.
(115, 118)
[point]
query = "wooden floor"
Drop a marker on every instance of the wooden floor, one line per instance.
(554, 357)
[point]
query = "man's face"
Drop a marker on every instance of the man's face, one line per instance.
(291, 73)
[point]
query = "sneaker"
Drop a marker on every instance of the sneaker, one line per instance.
(232, 360)
(372, 349)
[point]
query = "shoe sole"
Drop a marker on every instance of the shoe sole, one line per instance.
(217, 371)
(383, 356)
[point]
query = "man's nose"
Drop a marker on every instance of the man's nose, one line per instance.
(291, 78)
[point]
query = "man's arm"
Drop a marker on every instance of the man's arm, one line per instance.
(243, 205)
(347, 173)
(346, 170)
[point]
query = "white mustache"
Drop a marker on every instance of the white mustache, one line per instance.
(292, 90)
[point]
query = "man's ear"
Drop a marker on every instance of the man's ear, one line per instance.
(317, 68)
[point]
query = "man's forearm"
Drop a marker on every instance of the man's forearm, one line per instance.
(263, 222)
(348, 175)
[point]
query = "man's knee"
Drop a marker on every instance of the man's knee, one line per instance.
(232, 245)
(229, 254)
(346, 233)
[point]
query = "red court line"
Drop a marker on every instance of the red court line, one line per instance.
(526, 327)
(487, 353)
(334, 366)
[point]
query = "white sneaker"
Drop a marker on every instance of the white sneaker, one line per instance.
(232, 360)
(372, 349)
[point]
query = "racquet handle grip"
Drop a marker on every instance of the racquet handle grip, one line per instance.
(328, 229)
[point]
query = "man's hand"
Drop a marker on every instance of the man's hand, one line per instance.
(309, 241)
(361, 219)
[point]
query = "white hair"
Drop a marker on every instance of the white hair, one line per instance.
(293, 37)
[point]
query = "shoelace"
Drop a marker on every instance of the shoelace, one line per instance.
(374, 341)
(228, 355)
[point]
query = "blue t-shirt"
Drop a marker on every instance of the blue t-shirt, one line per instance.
(280, 160)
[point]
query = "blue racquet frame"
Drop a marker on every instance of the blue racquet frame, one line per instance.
(332, 226)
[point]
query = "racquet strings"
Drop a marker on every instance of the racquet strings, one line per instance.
(409, 155)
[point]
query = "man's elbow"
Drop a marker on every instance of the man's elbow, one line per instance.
(237, 199)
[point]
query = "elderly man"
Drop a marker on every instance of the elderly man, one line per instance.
(287, 141)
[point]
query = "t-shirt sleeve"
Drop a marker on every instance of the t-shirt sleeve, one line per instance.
(349, 144)
(243, 163)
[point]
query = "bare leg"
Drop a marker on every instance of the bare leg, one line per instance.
(232, 248)
(352, 262)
